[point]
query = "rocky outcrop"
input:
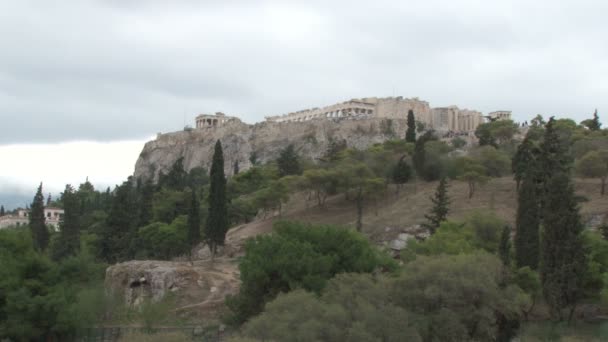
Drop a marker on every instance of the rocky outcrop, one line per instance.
(196, 286)
(240, 141)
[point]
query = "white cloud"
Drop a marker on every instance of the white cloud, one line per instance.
(24, 166)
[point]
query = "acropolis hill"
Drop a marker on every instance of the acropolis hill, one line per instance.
(357, 122)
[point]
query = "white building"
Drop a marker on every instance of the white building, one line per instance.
(52, 217)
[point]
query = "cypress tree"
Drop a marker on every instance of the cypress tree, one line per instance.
(145, 194)
(504, 248)
(595, 124)
(68, 243)
(524, 160)
(2, 210)
(120, 226)
(217, 219)
(527, 225)
(40, 233)
(553, 158)
(563, 259)
(410, 134)
(440, 209)
(194, 221)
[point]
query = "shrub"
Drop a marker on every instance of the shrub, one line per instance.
(299, 255)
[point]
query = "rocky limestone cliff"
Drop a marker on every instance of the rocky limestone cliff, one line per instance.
(239, 141)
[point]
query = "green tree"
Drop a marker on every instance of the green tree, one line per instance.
(563, 259)
(495, 162)
(527, 225)
(593, 124)
(235, 169)
(120, 230)
(594, 164)
(402, 172)
(299, 255)
(504, 248)
(495, 133)
(323, 182)
(194, 221)
(68, 243)
(483, 133)
(145, 203)
(360, 184)
(410, 135)
(439, 211)
(288, 162)
(462, 294)
(353, 307)
(271, 197)
(525, 160)
(40, 233)
(458, 142)
(554, 157)
(164, 241)
(176, 179)
(217, 219)
(419, 157)
(474, 175)
(253, 158)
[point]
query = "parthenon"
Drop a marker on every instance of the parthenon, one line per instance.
(449, 118)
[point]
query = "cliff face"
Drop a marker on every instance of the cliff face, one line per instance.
(239, 141)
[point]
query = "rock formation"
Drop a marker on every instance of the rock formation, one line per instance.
(240, 141)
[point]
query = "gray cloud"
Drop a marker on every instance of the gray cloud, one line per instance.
(108, 70)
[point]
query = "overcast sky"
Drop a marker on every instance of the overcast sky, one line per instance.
(122, 70)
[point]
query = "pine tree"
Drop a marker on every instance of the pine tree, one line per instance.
(2, 210)
(288, 162)
(563, 259)
(68, 243)
(440, 209)
(48, 200)
(40, 233)
(504, 248)
(410, 134)
(527, 225)
(217, 219)
(194, 221)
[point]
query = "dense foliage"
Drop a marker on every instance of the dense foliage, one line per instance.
(299, 255)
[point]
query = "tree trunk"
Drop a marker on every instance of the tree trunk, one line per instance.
(603, 185)
(471, 189)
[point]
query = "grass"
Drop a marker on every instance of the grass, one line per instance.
(498, 195)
